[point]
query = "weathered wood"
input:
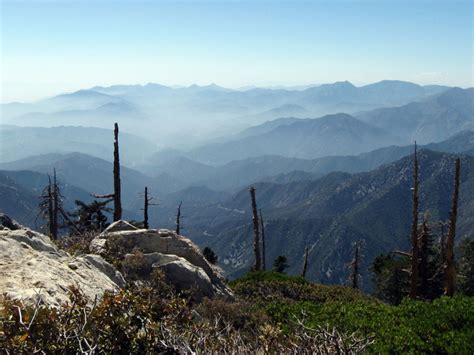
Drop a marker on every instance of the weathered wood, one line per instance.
(450, 271)
(256, 234)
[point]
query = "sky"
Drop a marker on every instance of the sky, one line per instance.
(52, 47)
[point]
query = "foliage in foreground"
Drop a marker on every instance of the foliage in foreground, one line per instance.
(151, 318)
(445, 325)
(273, 313)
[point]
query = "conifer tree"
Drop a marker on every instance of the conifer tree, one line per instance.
(430, 281)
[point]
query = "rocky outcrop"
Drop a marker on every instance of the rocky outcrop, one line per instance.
(32, 267)
(178, 257)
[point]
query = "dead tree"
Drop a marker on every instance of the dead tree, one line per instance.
(117, 194)
(450, 271)
(262, 224)
(256, 242)
(355, 266)
(50, 205)
(56, 196)
(147, 202)
(117, 189)
(305, 263)
(414, 230)
(178, 219)
(424, 245)
(50, 208)
(145, 209)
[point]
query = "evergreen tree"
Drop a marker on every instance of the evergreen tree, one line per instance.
(280, 264)
(430, 265)
(391, 279)
(466, 267)
(92, 216)
(210, 255)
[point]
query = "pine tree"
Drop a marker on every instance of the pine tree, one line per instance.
(91, 217)
(430, 282)
(210, 255)
(280, 264)
(450, 271)
(256, 242)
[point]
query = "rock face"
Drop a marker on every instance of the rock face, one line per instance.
(178, 257)
(31, 266)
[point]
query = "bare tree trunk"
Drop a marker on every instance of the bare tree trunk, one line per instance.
(145, 210)
(178, 219)
(305, 263)
(117, 190)
(355, 266)
(450, 271)
(264, 267)
(256, 234)
(50, 209)
(55, 207)
(414, 231)
(424, 254)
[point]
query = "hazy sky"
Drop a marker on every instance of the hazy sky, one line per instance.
(49, 47)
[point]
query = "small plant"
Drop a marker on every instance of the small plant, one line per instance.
(280, 264)
(210, 255)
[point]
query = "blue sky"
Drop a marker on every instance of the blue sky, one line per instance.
(48, 47)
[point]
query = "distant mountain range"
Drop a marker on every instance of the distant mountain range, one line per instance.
(94, 175)
(432, 120)
(239, 173)
(321, 182)
(23, 142)
(325, 212)
(174, 117)
(331, 213)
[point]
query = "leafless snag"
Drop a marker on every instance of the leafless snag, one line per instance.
(414, 230)
(178, 219)
(355, 266)
(450, 271)
(147, 201)
(263, 241)
(256, 242)
(117, 194)
(305, 262)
